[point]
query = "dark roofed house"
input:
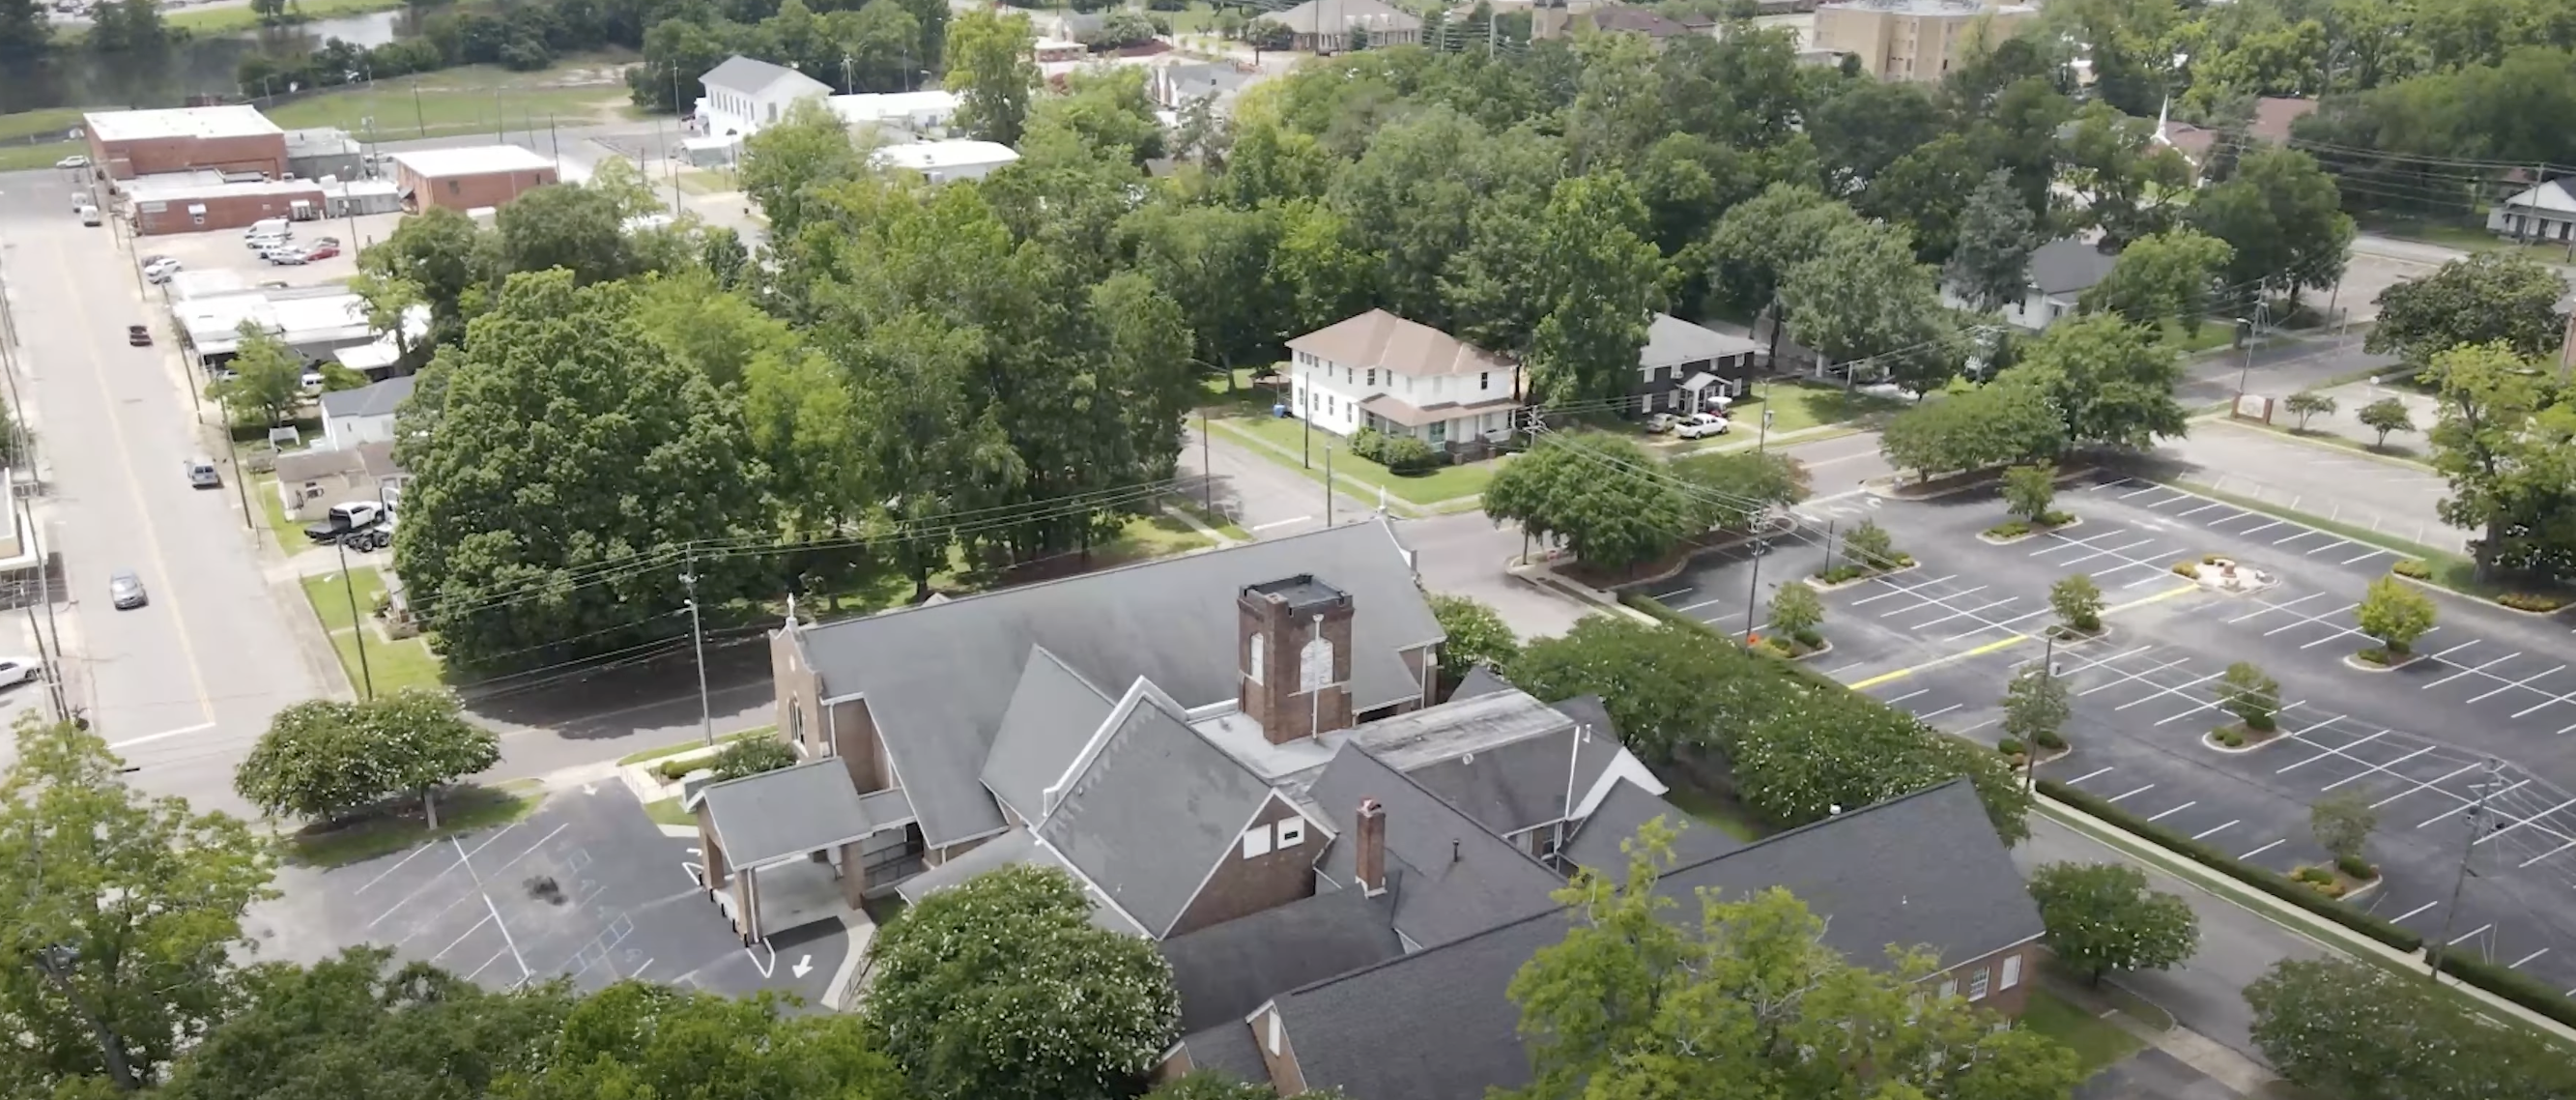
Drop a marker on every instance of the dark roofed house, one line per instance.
(755, 834)
(1686, 367)
(1922, 869)
(1449, 877)
(2060, 272)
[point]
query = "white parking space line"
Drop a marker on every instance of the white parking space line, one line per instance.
(2142, 492)
(2141, 790)
(2175, 810)
(2206, 834)
(1930, 715)
(2517, 963)
(2296, 537)
(2414, 912)
(1908, 695)
(2109, 552)
(2126, 676)
(1668, 597)
(2320, 756)
(2521, 683)
(2471, 933)
(2162, 691)
(2336, 544)
(2004, 625)
(2265, 848)
(2203, 508)
(2306, 619)
(2265, 527)
(2494, 833)
(2085, 776)
(2070, 542)
(2551, 701)
(2435, 785)
(2366, 775)
(2465, 671)
(2454, 649)
(1687, 609)
(2363, 557)
(2547, 854)
(1895, 589)
(2465, 801)
(1971, 613)
(2269, 607)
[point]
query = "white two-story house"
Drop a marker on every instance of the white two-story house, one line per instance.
(1378, 370)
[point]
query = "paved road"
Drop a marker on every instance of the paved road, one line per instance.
(181, 686)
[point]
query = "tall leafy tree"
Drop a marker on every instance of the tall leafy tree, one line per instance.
(572, 456)
(2035, 706)
(1991, 266)
(2482, 299)
(2284, 218)
(2505, 440)
(2111, 380)
(1863, 296)
(122, 924)
(24, 28)
(2102, 917)
(1668, 688)
(439, 254)
(1739, 997)
(1215, 262)
(1865, 125)
(577, 228)
(325, 758)
(2162, 277)
(267, 382)
(1474, 634)
(1605, 500)
(2354, 1030)
(1818, 753)
(1597, 275)
(990, 59)
(2011, 419)
(2123, 179)
(787, 160)
(636, 1039)
(1002, 986)
(1759, 242)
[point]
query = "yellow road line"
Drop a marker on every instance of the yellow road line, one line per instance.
(1989, 647)
(134, 488)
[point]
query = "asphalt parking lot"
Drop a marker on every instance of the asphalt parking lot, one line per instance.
(222, 248)
(2485, 713)
(587, 889)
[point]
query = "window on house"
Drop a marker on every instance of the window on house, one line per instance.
(455, 186)
(1977, 985)
(1484, 380)
(1372, 376)
(1949, 987)
(1274, 1033)
(1439, 432)
(1260, 648)
(795, 721)
(1256, 842)
(1292, 833)
(2012, 973)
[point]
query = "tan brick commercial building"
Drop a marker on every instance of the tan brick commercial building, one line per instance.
(238, 138)
(1913, 39)
(195, 202)
(470, 179)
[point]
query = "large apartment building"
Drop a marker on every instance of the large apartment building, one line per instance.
(1913, 39)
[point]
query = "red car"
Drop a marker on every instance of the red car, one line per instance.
(322, 252)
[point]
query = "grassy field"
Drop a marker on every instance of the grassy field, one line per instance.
(2213, 334)
(707, 181)
(232, 20)
(390, 665)
(2467, 238)
(460, 810)
(20, 158)
(2097, 1043)
(1442, 483)
(668, 812)
(468, 100)
(289, 532)
(1797, 406)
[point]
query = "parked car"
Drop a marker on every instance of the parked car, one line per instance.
(126, 590)
(262, 245)
(1701, 426)
(352, 524)
(311, 380)
(284, 257)
(18, 670)
(74, 161)
(138, 336)
(322, 250)
(201, 473)
(1659, 423)
(89, 215)
(159, 269)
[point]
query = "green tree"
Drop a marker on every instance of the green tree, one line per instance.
(2395, 614)
(2123, 178)
(2102, 917)
(2354, 1030)
(1217, 263)
(752, 756)
(1862, 296)
(2486, 298)
(2253, 697)
(2035, 706)
(356, 1024)
(2078, 603)
(2308, 403)
(1604, 499)
(991, 67)
(324, 758)
(2112, 381)
(267, 382)
(1668, 688)
(1796, 610)
(2010, 419)
(635, 1039)
(1598, 276)
(2282, 217)
(1759, 242)
(2502, 440)
(1209, 1084)
(1474, 634)
(25, 30)
(1870, 547)
(1002, 986)
(577, 228)
(2029, 490)
(787, 160)
(2342, 824)
(1991, 266)
(2388, 414)
(1742, 998)
(572, 456)
(123, 918)
(439, 255)
(2161, 277)
(1808, 755)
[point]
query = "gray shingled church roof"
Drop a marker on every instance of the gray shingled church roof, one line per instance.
(1225, 971)
(1501, 757)
(1626, 809)
(1148, 816)
(1450, 877)
(939, 679)
(1053, 713)
(778, 815)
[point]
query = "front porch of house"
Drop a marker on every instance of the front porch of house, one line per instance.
(1464, 432)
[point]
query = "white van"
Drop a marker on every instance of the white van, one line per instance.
(266, 227)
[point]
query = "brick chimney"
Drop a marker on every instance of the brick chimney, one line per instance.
(1371, 857)
(1294, 657)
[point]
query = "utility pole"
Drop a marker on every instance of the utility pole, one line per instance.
(53, 664)
(1328, 485)
(698, 641)
(2469, 851)
(1753, 588)
(418, 121)
(356, 624)
(1207, 472)
(1306, 441)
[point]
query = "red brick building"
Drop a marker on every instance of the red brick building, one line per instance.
(236, 138)
(470, 179)
(196, 202)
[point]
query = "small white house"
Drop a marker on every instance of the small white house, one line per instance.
(1378, 370)
(925, 113)
(942, 161)
(2543, 213)
(744, 96)
(363, 415)
(2059, 274)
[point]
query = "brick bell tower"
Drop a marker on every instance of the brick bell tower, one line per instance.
(1294, 657)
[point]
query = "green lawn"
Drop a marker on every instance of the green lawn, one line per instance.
(390, 666)
(213, 21)
(685, 746)
(1199, 17)
(460, 810)
(467, 100)
(2468, 238)
(1442, 483)
(289, 532)
(2450, 570)
(20, 158)
(2097, 1042)
(2339, 441)
(1242, 397)
(668, 812)
(1711, 808)
(1218, 523)
(1796, 406)
(2213, 334)
(707, 181)
(34, 139)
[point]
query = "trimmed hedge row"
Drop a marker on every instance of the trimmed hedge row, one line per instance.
(2512, 985)
(2270, 882)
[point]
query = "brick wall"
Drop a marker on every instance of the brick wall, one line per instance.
(472, 192)
(1241, 885)
(221, 211)
(262, 153)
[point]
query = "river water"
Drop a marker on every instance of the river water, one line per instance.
(76, 77)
